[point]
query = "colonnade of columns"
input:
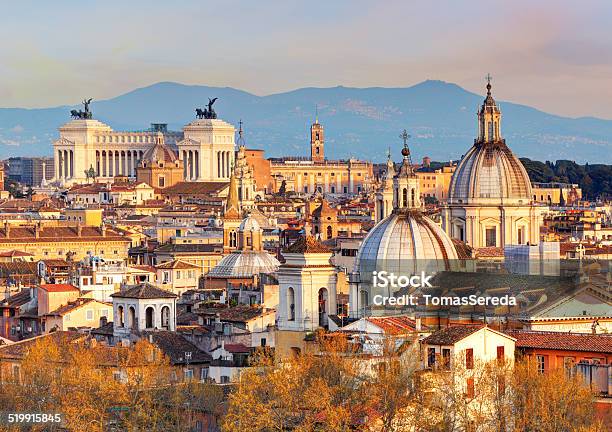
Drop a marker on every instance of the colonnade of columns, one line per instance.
(224, 161)
(110, 163)
(64, 164)
(191, 164)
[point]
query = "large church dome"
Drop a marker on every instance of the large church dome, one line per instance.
(490, 174)
(405, 242)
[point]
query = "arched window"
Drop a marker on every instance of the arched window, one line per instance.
(165, 318)
(323, 307)
(132, 317)
(405, 197)
(412, 196)
(149, 317)
(120, 317)
(329, 232)
(291, 304)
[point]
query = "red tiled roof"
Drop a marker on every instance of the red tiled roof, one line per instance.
(394, 325)
(15, 253)
(599, 343)
(451, 335)
(58, 287)
(490, 252)
(237, 348)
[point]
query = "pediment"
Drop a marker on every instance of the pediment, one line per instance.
(63, 142)
(188, 142)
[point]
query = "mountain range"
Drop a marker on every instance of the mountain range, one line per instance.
(359, 122)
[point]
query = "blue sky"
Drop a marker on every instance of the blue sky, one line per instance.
(554, 55)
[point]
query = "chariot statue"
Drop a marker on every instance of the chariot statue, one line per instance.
(207, 113)
(82, 115)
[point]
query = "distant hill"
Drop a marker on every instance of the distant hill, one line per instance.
(359, 122)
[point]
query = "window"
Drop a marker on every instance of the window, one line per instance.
(491, 237)
(149, 317)
(161, 181)
(89, 314)
(469, 358)
(120, 316)
(178, 274)
(263, 342)
(204, 373)
(446, 358)
(520, 235)
(225, 379)
(500, 353)
(431, 357)
(188, 374)
(541, 363)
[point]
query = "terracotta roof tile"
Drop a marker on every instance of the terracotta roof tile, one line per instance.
(451, 335)
(600, 343)
(144, 291)
(394, 325)
(59, 287)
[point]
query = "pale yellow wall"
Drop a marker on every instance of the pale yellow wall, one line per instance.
(114, 249)
(49, 301)
(78, 317)
(88, 217)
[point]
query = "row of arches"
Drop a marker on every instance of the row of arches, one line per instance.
(322, 300)
(130, 319)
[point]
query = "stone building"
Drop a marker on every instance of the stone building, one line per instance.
(205, 147)
(143, 307)
(78, 241)
(490, 197)
(307, 286)
(314, 173)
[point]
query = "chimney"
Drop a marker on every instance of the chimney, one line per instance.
(79, 229)
(103, 229)
(7, 229)
(418, 325)
(37, 230)
(103, 321)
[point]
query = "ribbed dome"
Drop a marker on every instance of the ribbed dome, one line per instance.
(405, 242)
(490, 174)
(245, 264)
(249, 224)
(160, 153)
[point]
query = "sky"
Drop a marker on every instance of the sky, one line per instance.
(553, 55)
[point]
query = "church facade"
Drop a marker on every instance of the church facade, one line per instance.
(89, 148)
(490, 199)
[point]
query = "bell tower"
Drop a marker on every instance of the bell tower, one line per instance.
(317, 141)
